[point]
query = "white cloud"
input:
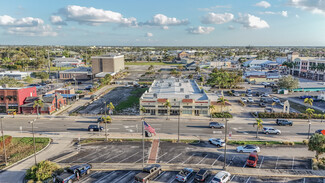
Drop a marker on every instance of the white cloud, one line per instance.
(27, 26)
(213, 18)
(284, 13)
(149, 34)
(57, 20)
(93, 16)
(200, 30)
(263, 4)
(252, 22)
(314, 6)
(163, 20)
(214, 7)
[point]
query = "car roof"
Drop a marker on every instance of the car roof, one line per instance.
(92, 125)
(221, 174)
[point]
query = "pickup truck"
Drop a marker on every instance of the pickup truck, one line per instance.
(73, 173)
(148, 173)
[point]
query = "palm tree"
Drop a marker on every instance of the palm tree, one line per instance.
(111, 107)
(222, 101)
(37, 104)
(259, 125)
(142, 109)
(106, 119)
(273, 104)
(309, 101)
(211, 108)
(168, 106)
(309, 113)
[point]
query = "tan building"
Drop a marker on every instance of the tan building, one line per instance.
(107, 64)
(185, 96)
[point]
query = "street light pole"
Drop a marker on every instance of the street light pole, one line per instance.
(309, 129)
(32, 122)
(3, 141)
(106, 121)
(179, 116)
(225, 150)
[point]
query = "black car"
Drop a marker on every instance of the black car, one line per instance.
(283, 122)
(262, 104)
(95, 128)
(202, 175)
(319, 131)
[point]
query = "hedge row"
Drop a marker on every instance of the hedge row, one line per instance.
(291, 115)
(221, 115)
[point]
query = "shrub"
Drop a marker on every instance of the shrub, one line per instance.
(241, 103)
(221, 115)
(42, 171)
(7, 141)
(305, 142)
(287, 115)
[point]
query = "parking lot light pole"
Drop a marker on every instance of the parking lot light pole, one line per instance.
(179, 116)
(309, 129)
(225, 150)
(3, 142)
(32, 122)
(106, 121)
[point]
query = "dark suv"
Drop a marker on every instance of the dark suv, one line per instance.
(202, 175)
(283, 122)
(95, 128)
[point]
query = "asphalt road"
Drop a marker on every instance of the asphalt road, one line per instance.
(237, 126)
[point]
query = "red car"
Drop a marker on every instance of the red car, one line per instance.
(252, 160)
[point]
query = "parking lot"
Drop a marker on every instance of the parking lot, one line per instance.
(127, 176)
(190, 154)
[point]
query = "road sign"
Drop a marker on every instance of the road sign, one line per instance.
(230, 133)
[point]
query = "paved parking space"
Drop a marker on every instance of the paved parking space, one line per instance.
(127, 176)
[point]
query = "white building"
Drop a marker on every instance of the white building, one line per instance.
(258, 63)
(15, 74)
(67, 62)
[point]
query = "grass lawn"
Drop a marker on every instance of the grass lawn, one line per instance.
(21, 147)
(149, 63)
(302, 108)
(132, 100)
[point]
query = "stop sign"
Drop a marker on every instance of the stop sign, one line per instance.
(323, 132)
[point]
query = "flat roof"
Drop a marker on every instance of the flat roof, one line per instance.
(109, 56)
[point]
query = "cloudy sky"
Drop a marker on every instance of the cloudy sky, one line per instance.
(164, 22)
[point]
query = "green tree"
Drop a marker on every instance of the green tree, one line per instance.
(288, 82)
(309, 101)
(259, 125)
(11, 82)
(197, 69)
(42, 171)
(111, 107)
(143, 109)
(150, 67)
(211, 108)
(28, 80)
(190, 76)
(168, 106)
(317, 143)
(38, 104)
(106, 119)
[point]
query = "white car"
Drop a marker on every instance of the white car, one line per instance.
(265, 83)
(218, 142)
(270, 130)
(221, 177)
(236, 94)
(249, 95)
(265, 95)
(250, 100)
(243, 99)
(248, 148)
(276, 100)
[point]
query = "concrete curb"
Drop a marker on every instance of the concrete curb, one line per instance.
(66, 156)
(20, 161)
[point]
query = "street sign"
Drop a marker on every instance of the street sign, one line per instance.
(230, 133)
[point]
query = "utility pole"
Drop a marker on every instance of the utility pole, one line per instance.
(142, 142)
(225, 150)
(106, 121)
(3, 142)
(32, 122)
(179, 116)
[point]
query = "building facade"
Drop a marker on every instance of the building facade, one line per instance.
(185, 97)
(67, 62)
(309, 68)
(80, 73)
(107, 64)
(50, 104)
(11, 99)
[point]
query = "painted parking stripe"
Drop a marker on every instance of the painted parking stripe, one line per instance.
(159, 176)
(293, 163)
(113, 157)
(248, 179)
(162, 155)
(105, 154)
(145, 156)
(231, 160)
(188, 158)
(89, 177)
(202, 159)
(175, 157)
(128, 157)
(216, 160)
(78, 160)
(123, 176)
(105, 177)
(276, 164)
(244, 165)
(261, 163)
(232, 178)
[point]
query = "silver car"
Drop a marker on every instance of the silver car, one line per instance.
(270, 130)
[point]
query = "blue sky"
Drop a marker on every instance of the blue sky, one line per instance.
(163, 23)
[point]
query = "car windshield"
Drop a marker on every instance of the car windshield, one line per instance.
(183, 172)
(252, 158)
(216, 179)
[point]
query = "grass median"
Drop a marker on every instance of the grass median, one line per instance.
(18, 148)
(267, 143)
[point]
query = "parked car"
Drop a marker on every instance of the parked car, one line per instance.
(264, 100)
(184, 174)
(262, 104)
(252, 160)
(73, 173)
(249, 95)
(148, 173)
(216, 125)
(258, 94)
(236, 94)
(202, 175)
(248, 91)
(276, 100)
(250, 100)
(232, 91)
(95, 128)
(320, 131)
(100, 119)
(248, 148)
(88, 87)
(243, 99)
(265, 95)
(221, 177)
(268, 110)
(265, 83)
(283, 122)
(270, 130)
(217, 141)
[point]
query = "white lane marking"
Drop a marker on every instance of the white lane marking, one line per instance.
(232, 178)
(142, 158)
(304, 180)
(261, 163)
(175, 157)
(85, 156)
(105, 177)
(113, 157)
(123, 176)
(217, 132)
(89, 177)
(161, 155)
(188, 158)
(276, 164)
(172, 180)
(245, 133)
(202, 160)
(244, 165)
(216, 160)
(128, 157)
(159, 176)
(92, 160)
(293, 163)
(231, 160)
(248, 179)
